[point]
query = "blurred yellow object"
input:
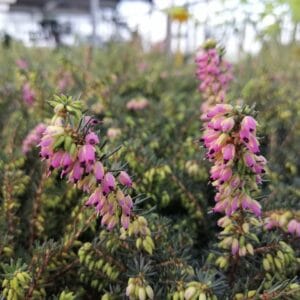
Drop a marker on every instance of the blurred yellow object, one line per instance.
(179, 14)
(178, 59)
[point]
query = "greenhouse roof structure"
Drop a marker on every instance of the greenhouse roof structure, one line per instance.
(77, 5)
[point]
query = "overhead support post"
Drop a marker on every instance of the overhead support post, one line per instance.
(168, 42)
(94, 8)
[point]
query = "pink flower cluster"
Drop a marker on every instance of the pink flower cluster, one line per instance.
(113, 133)
(28, 94)
(272, 222)
(81, 166)
(33, 138)
(231, 143)
(142, 67)
(284, 221)
(215, 75)
(22, 64)
(294, 227)
(137, 104)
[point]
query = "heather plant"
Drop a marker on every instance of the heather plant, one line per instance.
(173, 229)
(70, 146)
(230, 139)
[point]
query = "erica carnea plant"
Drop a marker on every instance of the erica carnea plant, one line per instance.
(71, 146)
(232, 146)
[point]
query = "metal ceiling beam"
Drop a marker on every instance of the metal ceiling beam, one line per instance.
(77, 5)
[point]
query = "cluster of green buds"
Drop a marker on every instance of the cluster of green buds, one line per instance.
(15, 177)
(156, 176)
(192, 167)
(139, 289)
(196, 290)
(108, 296)
(140, 230)
(94, 261)
(66, 296)
(223, 261)
(15, 167)
(249, 295)
(111, 241)
(62, 105)
(289, 291)
(7, 251)
(237, 235)
(157, 173)
(15, 284)
(279, 263)
(179, 293)
(14, 185)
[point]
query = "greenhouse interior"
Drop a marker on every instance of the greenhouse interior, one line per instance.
(149, 149)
